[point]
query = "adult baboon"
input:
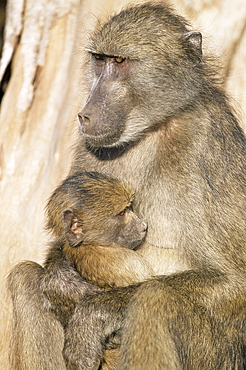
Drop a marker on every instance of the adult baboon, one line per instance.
(157, 118)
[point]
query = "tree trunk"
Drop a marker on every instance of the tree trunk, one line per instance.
(38, 125)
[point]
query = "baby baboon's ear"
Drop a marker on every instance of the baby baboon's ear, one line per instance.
(73, 232)
(194, 39)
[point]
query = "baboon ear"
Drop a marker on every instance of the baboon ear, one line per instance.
(73, 232)
(195, 40)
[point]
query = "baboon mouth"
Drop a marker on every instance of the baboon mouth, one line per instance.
(136, 243)
(102, 140)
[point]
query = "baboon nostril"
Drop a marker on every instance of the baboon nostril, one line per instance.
(83, 119)
(86, 120)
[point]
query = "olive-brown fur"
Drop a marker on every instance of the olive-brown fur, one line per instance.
(95, 233)
(169, 130)
(157, 118)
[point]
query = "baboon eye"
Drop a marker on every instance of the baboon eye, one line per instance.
(122, 213)
(98, 56)
(119, 59)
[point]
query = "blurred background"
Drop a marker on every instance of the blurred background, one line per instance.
(42, 90)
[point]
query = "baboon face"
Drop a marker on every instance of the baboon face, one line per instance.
(105, 114)
(124, 229)
(144, 67)
(99, 212)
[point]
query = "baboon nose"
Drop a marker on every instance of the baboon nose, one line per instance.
(83, 119)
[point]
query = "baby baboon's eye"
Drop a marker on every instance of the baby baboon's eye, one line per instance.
(122, 213)
(119, 60)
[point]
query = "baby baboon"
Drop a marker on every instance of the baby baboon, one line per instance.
(95, 233)
(101, 232)
(98, 230)
(157, 118)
